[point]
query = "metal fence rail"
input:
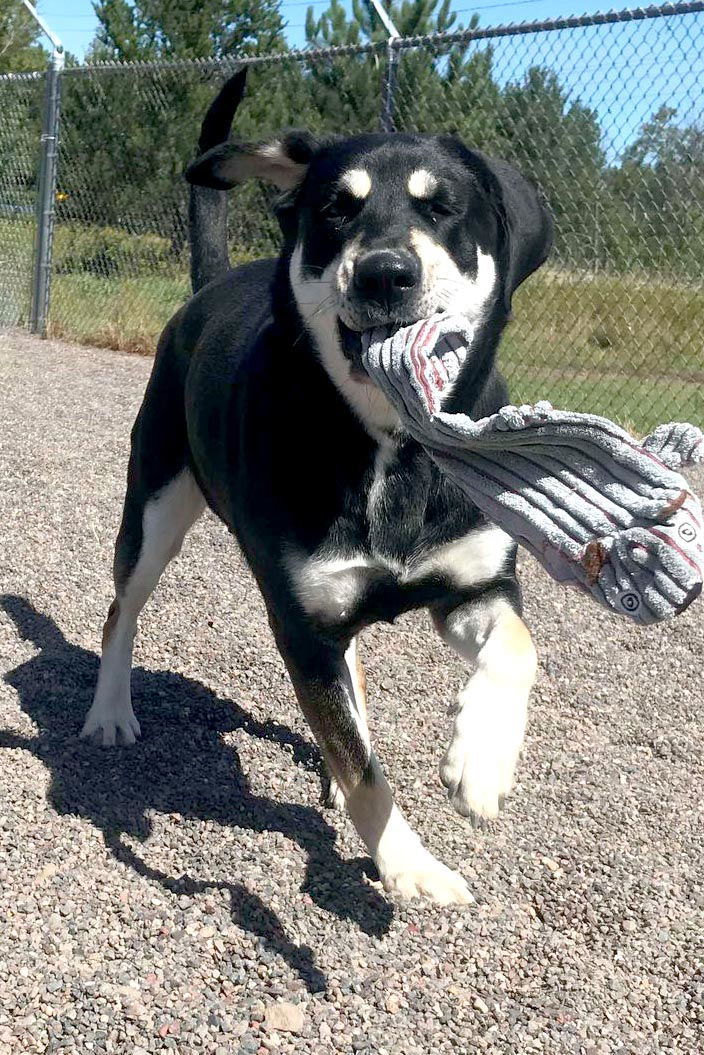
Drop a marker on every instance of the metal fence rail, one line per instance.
(605, 112)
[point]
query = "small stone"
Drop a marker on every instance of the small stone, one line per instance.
(286, 1017)
(133, 1010)
(47, 872)
(628, 925)
(392, 1003)
(479, 1005)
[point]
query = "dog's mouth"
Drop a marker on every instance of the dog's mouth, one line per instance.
(434, 354)
(351, 344)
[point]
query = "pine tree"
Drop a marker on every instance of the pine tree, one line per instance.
(193, 29)
(127, 134)
(20, 49)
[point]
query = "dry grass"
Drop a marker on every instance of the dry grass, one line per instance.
(618, 345)
(127, 314)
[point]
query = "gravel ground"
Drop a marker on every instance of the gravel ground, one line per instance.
(189, 895)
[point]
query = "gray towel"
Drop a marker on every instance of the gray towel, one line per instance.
(599, 510)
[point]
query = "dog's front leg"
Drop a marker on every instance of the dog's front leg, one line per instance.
(330, 698)
(490, 716)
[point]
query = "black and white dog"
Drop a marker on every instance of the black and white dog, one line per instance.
(258, 406)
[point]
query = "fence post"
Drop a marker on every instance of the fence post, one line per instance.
(387, 122)
(386, 117)
(46, 197)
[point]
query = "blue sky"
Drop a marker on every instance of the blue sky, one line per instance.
(75, 21)
(624, 72)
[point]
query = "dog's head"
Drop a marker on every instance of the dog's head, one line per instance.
(390, 229)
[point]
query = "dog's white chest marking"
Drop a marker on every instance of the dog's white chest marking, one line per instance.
(377, 492)
(475, 558)
(330, 588)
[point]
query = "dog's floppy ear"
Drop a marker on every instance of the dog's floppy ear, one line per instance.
(283, 162)
(525, 224)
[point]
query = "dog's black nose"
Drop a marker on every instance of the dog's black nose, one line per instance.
(386, 276)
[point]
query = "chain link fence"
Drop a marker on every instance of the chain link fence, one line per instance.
(21, 101)
(605, 113)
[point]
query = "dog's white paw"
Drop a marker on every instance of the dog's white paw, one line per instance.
(428, 877)
(479, 766)
(333, 797)
(477, 786)
(108, 723)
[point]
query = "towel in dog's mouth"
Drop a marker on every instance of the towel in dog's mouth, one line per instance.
(432, 349)
(435, 352)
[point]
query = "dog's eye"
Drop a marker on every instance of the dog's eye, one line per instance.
(342, 208)
(435, 208)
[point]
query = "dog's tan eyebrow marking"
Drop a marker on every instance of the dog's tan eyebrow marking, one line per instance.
(422, 184)
(357, 182)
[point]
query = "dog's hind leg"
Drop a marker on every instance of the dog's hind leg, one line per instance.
(490, 716)
(152, 531)
(323, 682)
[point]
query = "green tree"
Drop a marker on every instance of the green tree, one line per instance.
(194, 29)
(20, 49)
(127, 134)
(557, 142)
(657, 198)
(347, 90)
(21, 101)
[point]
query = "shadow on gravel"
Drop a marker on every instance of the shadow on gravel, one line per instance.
(181, 766)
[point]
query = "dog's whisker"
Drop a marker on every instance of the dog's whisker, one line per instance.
(326, 304)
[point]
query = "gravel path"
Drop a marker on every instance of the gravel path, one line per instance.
(188, 894)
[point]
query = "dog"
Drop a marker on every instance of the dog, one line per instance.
(258, 406)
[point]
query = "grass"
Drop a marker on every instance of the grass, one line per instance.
(614, 322)
(123, 313)
(627, 347)
(624, 346)
(637, 403)
(16, 254)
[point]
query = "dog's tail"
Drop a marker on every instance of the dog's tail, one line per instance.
(207, 209)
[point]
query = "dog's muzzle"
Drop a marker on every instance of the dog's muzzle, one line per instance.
(386, 281)
(384, 289)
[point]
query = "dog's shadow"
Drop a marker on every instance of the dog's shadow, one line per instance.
(181, 766)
